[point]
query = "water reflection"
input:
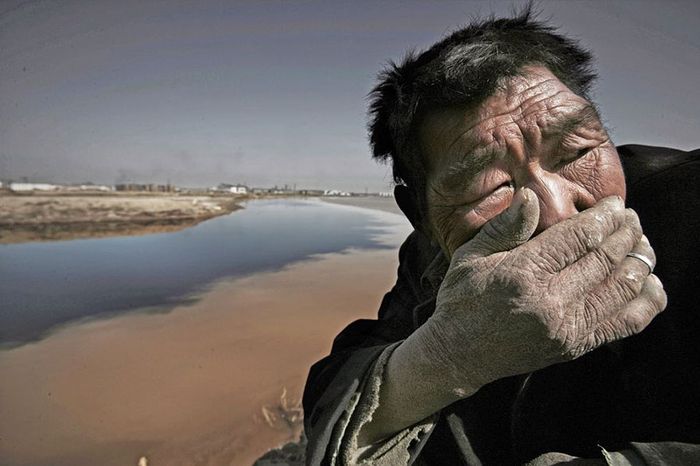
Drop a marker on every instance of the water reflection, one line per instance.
(46, 284)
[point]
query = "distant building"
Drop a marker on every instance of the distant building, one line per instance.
(88, 187)
(231, 188)
(310, 192)
(151, 188)
(26, 187)
(335, 192)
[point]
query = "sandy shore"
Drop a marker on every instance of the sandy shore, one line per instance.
(186, 387)
(56, 217)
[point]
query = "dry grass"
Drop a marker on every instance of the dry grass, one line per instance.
(284, 415)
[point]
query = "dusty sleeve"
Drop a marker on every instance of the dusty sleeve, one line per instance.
(349, 376)
(400, 448)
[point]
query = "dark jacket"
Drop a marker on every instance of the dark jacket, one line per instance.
(645, 388)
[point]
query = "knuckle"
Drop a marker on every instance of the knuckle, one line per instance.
(591, 233)
(658, 294)
(663, 301)
(615, 214)
(632, 221)
(635, 322)
(627, 284)
(628, 242)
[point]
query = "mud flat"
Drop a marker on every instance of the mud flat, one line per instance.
(54, 217)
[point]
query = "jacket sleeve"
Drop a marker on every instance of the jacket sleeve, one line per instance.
(335, 384)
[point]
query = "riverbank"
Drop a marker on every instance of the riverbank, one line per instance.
(44, 217)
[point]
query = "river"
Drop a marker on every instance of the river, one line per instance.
(170, 346)
(50, 284)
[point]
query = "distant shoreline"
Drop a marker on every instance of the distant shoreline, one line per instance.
(42, 217)
(59, 217)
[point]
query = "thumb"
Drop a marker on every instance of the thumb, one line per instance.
(508, 230)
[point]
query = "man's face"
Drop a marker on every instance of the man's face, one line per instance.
(534, 132)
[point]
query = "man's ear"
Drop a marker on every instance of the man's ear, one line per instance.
(408, 204)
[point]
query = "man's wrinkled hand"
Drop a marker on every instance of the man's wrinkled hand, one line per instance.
(512, 304)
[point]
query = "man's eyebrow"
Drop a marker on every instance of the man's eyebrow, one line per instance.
(564, 125)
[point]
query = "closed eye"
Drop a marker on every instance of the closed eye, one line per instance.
(581, 152)
(574, 156)
(454, 202)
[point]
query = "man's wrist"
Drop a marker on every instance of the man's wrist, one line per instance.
(428, 354)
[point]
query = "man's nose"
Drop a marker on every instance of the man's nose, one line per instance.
(556, 198)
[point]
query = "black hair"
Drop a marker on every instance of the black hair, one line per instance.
(463, 69)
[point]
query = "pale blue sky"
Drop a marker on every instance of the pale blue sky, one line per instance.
(272, 92)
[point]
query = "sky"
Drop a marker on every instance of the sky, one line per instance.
(265, 93)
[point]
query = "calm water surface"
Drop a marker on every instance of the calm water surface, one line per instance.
(47, 284)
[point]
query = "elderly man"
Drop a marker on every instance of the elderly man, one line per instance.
(525, 320)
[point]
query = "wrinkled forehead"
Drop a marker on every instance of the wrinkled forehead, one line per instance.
(526, 107)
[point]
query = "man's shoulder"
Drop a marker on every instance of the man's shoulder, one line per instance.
(642, 163)
(662, 187)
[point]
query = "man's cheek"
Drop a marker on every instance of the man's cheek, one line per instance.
(606, 178)
(613, 183)
(596, 178)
